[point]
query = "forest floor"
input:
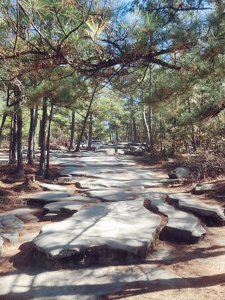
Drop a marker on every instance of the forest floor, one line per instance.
(196, 271)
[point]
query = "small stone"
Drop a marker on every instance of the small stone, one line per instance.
(180, 172)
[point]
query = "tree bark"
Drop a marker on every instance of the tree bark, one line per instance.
(174, 138)
(2, 126)
(32, 132)
(147, 130)
(90, 132)
(85, 121)
(72, 130)
(47, 171)
(20, 169)
(13, 140)
(133, 122)
(43, 138)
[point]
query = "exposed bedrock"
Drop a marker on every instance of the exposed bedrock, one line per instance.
(105, 234)
(181, 226)
(212, 215)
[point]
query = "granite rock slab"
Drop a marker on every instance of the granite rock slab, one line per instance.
(180, 172)
(107, 233)
(181, 226)
(12, 237)
(25, 214)
(204, 187)
(43, 198)
(9, 227)
(54, 187)
(9, 222)
(111, 195)
(57, 207)
(191, 204)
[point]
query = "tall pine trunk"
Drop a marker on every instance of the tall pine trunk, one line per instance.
(20, 169)
(47, 170)
(42, 139)
(72, 130)
(32, 132)
(90, 131)
(133, 122)
(13, 139)
(148, 133)
(2, 126)
(85, 121)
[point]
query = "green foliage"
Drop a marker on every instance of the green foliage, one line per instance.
(162, 57)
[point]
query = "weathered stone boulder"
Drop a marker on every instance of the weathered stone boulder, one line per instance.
(9, 222)
(106, 234)
(9, 227)
(211, 214)
(181, 226)
(205, 187)
(61, 209)
(43, 198)
(111, 195)
(54, 187)
(181, 172)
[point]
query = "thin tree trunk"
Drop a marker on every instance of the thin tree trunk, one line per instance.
(194, 145)
(43, 139)
(85, 121)
(174, 138)
(147, 130)
(117, 135)
(72, 130)
(2, 126)
(47, 171)
(20, 169)
(90, 131)
(13, 140)
(150, 117)
(32, 131)
(133, 122)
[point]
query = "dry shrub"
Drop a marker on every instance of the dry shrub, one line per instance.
(205, 165)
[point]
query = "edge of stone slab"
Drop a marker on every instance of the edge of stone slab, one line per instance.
(102, 254)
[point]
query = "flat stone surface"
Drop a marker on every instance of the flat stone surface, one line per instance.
(53, 195)
(8, 222)
(106, 183)
(12, 237)
(181, 226)
(190, 203)
(111, 195)
(205, 187)
(25, 214)
(54, 187)
(124, 227)
(49, 197)
(56, 207)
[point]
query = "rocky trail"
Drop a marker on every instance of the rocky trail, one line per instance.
(109, 227)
